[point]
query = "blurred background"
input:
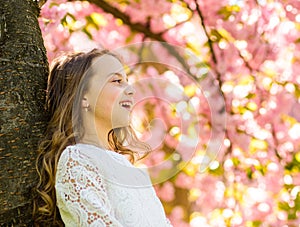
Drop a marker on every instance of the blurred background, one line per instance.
(224, 103)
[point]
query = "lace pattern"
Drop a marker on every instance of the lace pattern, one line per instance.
(87, 194)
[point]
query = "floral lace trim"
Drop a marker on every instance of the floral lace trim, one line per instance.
(81, 193)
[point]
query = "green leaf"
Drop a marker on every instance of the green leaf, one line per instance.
(87, 33)
(91, 22)
(283, 206)
(215, 36)
(229, 10)
(64, 21)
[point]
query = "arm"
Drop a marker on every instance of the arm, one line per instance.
(81, 193)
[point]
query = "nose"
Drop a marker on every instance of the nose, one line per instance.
(129, 90)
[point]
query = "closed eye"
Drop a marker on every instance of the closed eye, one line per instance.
(117, 81)
(119, 78)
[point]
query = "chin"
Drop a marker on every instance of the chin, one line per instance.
(122, 122)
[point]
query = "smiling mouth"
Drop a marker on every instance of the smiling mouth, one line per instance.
(126, 104)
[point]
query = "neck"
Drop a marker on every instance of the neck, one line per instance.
(92, 139)
(95, 135)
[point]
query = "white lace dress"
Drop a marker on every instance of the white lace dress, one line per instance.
(96, 187)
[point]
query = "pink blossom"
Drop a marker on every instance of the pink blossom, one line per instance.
(176, 217)
(250, 39)
(166, 192)
(184, 181)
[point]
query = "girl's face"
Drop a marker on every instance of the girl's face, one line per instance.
(109, 95)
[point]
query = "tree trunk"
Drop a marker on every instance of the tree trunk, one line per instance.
(23, 72)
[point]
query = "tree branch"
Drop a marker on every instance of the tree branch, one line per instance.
(275, 144)
(176, 25)
(40, 2)
(210, 42)
(106, 7)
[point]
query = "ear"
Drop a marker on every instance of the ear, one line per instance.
(85, 103)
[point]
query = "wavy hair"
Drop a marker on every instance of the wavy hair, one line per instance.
(67, 82)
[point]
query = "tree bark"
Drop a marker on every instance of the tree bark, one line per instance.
(23, 73)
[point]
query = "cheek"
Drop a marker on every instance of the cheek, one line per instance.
(108, 98)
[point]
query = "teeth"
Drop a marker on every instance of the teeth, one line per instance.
(126, 104)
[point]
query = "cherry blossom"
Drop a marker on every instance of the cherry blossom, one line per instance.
(242, 68)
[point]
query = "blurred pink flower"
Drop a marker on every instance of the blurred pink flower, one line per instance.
(184, 181)
(166, 192)
(176, 217)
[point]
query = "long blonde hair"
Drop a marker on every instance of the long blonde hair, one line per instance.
(67, 82)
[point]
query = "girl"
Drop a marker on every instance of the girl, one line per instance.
(86, 175)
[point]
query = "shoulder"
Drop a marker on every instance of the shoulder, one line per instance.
(76, 168)
(75, 156)
(72, 153)
(81, 152)
(88, 156)
(98, 155)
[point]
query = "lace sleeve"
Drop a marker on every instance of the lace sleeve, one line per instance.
(81, 193)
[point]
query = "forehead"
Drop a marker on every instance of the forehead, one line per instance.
(106, 65)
